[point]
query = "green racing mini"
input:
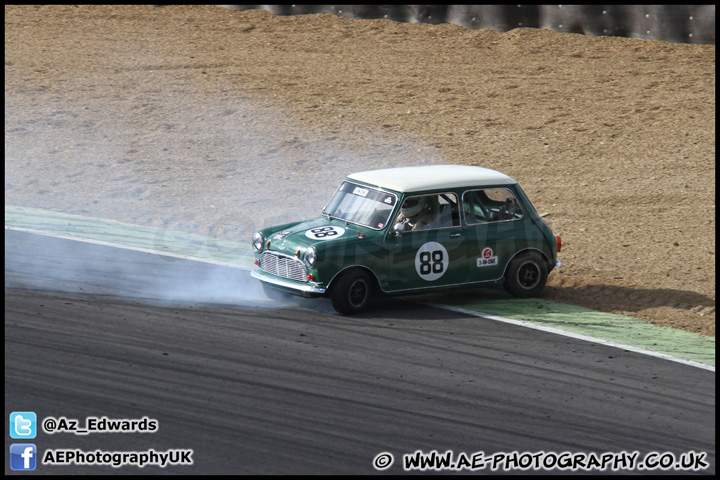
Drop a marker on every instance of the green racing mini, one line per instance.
(409, 230)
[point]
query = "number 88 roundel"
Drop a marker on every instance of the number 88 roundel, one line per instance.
(431, 261)
(325, 233)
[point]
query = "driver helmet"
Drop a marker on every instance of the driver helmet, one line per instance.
(412, 206)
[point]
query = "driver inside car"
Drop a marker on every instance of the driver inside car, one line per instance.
(418, 213)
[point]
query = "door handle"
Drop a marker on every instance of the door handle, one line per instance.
(456, 235)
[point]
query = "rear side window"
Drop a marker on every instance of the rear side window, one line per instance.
(490, 205)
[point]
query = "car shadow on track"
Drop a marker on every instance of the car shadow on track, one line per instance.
(412, 307)
(628, 299)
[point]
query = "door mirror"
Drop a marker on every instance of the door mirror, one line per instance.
(397, 229)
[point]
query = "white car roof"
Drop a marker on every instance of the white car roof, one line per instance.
(411, 179)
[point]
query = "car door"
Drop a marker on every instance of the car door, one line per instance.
(431, 255)
(494, 227)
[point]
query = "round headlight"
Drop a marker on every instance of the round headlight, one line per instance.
(311, 257)
(258, 241)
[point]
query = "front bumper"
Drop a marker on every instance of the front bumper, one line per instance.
(305, 290)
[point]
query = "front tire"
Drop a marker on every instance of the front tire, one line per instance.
(351, 292)
(526, 275)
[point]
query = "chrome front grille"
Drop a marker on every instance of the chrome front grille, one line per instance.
(283, 266)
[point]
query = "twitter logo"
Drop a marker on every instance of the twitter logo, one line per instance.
(23, 425)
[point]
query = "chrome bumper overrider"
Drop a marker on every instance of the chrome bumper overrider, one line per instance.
(290, 285)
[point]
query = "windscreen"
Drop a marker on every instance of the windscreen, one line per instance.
(361, 205)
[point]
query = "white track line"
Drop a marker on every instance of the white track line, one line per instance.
(437, 305)
(126, 247)
(578, 336)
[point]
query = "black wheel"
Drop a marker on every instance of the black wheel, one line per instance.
(351, 292)
(526, 275)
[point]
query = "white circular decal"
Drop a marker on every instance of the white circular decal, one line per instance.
(431, 261)
(325, 233)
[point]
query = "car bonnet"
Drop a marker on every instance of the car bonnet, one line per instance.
(312, 233)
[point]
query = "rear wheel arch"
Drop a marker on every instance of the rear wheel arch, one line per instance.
(526, 274)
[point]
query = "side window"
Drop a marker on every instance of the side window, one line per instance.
(426, 212)
(490, 205)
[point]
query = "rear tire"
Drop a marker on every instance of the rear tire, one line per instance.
(526, 275)
(351, 293)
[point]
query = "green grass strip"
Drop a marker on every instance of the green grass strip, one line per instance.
(611, 327)
(148, 238)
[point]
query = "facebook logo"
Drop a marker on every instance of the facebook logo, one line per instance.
(23, 425)
(23, 456)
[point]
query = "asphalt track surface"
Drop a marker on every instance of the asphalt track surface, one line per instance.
(256, 387)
